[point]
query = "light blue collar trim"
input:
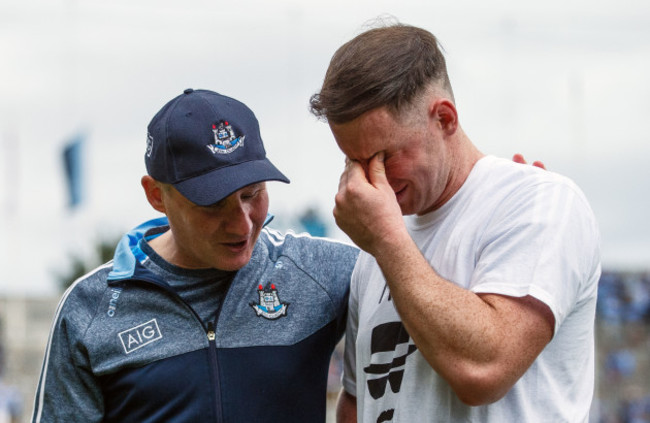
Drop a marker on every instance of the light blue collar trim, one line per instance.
(128, 252)
(125, 253)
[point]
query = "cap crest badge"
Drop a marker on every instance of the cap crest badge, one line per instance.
(225, 140)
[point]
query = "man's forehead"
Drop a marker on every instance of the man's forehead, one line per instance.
(363, 137)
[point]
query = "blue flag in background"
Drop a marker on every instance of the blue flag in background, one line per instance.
(72, 159)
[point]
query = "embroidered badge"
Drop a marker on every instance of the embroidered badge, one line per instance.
(149, 144)
(269, 306)
(139, 336)
(225, 140)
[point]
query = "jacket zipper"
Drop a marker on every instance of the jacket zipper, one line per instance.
(214, 369)
(212, 349)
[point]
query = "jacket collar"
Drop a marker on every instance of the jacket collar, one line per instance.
(128, 254)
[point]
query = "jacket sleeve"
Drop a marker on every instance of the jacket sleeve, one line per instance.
(341, 261)
(67, 389)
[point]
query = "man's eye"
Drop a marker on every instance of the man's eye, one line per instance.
(250, 194)
(213, 207)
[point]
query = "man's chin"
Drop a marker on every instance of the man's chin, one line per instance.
(234, 263)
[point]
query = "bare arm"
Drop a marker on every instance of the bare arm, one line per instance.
(346, 408)
(480, 344)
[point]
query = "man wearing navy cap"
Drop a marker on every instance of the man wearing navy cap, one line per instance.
(204, 315)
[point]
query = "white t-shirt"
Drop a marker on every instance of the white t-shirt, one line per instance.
(513, 230)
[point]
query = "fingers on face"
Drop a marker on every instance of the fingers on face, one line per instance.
(344, 175)
(376, 167)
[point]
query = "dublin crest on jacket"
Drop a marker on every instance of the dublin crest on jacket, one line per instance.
(269, 305)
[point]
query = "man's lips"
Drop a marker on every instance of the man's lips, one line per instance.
(239, 245)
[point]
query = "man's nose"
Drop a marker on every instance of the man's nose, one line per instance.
(239, 220)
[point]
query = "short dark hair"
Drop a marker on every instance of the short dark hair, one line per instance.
(385, 66)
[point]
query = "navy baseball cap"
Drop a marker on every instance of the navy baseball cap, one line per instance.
(207, 146)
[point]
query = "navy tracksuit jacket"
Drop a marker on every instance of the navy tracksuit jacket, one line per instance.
(126, 348)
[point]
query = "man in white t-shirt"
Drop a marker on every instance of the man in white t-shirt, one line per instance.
(478, 306)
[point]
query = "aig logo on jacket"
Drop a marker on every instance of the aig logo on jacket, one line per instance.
(139, 336)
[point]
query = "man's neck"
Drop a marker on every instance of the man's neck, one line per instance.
(463, 156)
(163, 245)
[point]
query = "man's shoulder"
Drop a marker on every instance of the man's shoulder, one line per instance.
(86, 291)
(305, 244)
(321, 258)
(507, 177)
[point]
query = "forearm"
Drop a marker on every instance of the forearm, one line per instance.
(472, 341)
(435, 312)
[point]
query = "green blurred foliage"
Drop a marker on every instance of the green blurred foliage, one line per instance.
(79, 265)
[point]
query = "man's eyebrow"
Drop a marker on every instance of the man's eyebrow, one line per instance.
(215, 205)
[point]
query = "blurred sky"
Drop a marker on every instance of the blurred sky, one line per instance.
(565, 82)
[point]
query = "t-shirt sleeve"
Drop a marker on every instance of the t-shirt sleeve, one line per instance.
(542, 242)
(348, 378)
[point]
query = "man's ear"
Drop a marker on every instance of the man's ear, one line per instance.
(444, 112)
(153, 191)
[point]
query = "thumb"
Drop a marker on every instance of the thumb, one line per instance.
(376, 170)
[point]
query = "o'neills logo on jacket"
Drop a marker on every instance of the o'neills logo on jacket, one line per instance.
(269, 305)
(112, 302)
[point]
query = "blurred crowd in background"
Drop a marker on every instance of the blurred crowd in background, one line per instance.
(623, 343)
